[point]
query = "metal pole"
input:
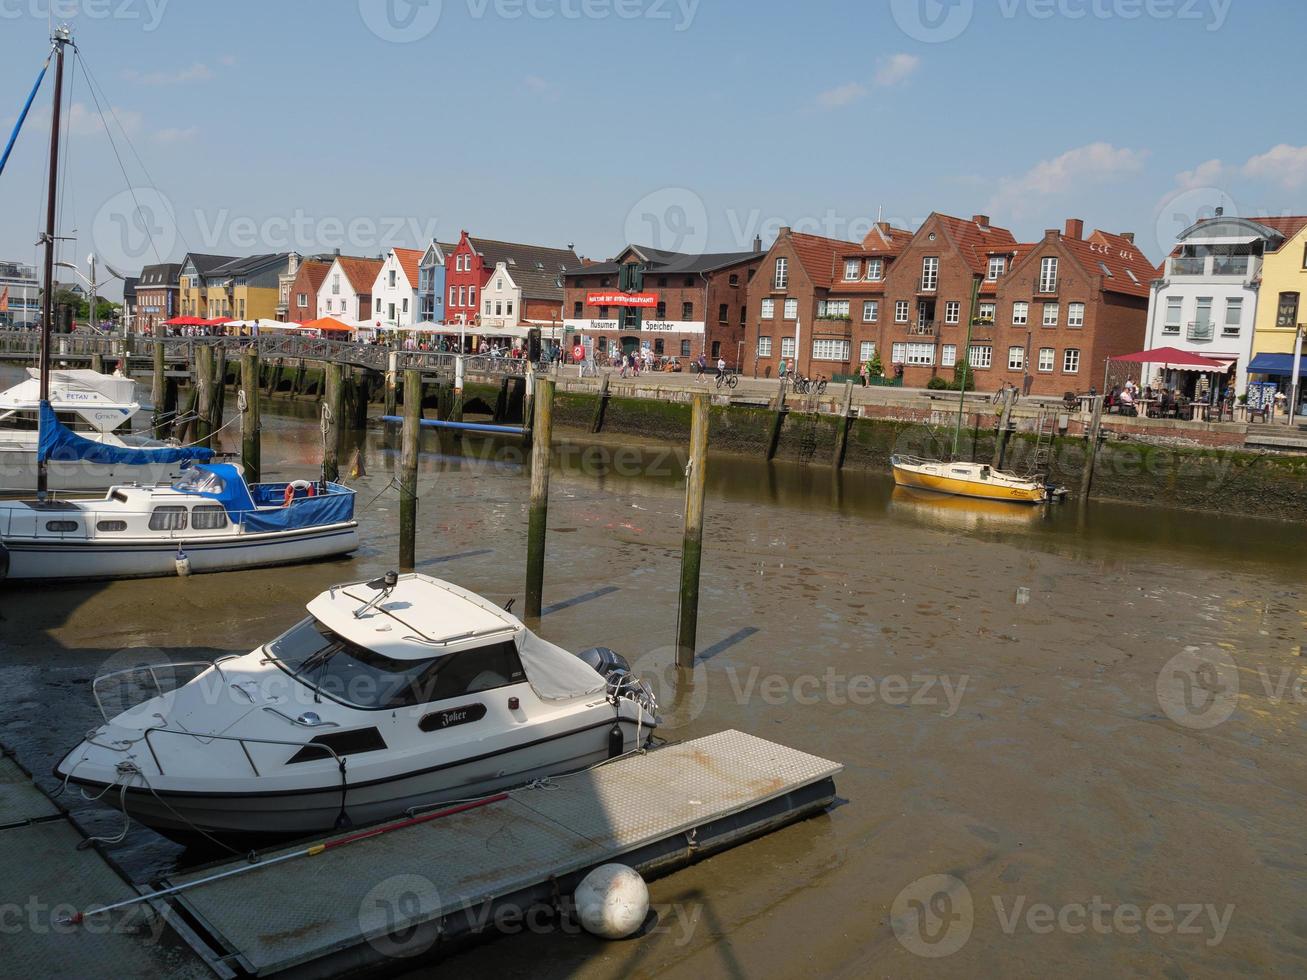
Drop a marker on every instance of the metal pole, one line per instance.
(408, 477)
(537, 516)
(696, 479)
(1294, 380)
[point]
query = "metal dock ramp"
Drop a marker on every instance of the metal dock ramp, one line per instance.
(409, 890)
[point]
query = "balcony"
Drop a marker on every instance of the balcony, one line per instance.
(1188, 265)
(922, 328)
(1199, 330)
(925, 285)
(1047, 287)
(1230, 265)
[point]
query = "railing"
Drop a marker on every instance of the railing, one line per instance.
(1047, 288)
(1199, 330)
(149, 669)
(925, 285)
(1188, 265)
(1229, 265)
(922, 328)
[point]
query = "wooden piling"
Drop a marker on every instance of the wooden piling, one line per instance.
(542, 430)
(1004, 421)
(333, 407)
(185, 423)
(392, 381)
(297, 383)
(687, 616)
(1091, 456)
(842, 431)
(219, 388)
(408, 477)
(601, 405)
(159, 389)
(202, 378)
(778, 421)
(97, 362)
(250, 446)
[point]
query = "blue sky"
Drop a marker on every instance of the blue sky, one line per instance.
(685, 123)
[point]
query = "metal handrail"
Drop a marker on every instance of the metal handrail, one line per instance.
(242, 739)
(96, 681)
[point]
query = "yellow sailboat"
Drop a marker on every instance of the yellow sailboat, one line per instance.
(968, 480)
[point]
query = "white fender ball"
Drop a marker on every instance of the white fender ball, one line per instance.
(612, 901)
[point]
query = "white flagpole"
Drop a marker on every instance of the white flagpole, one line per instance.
(798, 325)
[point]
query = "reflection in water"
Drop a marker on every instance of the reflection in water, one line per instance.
(947, 512)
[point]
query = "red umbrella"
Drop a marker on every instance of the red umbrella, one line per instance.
(1174, 358)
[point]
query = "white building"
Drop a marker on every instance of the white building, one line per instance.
(346, 290)
(1206, 302)
(18, 283)
(396, 299)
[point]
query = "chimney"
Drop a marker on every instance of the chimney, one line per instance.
(1051, 234)
(981, 219)
(757, 244)
(783, 232)
(1220, 211)
(1129, 236)
(336, 252)
(1075, 229)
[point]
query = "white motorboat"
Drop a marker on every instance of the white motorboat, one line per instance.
(392, 695)
(206, 520)
(98, 408)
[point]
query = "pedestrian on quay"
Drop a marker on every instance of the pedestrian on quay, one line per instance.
(701, 366)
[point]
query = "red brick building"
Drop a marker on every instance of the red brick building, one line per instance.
(678, 305)
(303, 299)
(536, 271)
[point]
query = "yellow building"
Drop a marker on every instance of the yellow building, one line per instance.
(1281, 311)
(224, 286)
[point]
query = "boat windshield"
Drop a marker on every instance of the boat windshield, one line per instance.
(351, 674)
(198, 481)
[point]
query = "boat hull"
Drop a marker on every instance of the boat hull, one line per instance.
(939, 478)
(73, 559)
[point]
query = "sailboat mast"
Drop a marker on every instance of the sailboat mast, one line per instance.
(62, 36)
(966, 361)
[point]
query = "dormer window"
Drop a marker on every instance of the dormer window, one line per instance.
(997, 267)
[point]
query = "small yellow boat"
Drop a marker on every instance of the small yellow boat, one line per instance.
(968, 480)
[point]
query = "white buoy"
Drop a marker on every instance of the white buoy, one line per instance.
(183, 563)
(612, 901)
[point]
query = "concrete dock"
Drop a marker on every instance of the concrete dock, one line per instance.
(407, 892)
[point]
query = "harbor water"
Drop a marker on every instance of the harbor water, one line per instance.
(1011, 691)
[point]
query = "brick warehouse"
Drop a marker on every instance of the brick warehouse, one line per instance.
(691, 304)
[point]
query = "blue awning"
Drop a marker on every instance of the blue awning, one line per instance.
(1281, 364)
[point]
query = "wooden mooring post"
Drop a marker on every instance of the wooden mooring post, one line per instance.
(1091, 454)
(408, 476)
(97, 362)
(392, 382)
(687, 613)
(538, 514)
(601, 405)
(1004, 422)
(159, 389)
(250, 446)
(202, 379)
(219, 388)
(332, 407)
(842, 430)
(778, 421)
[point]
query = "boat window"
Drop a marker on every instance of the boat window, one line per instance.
(198, 481)
(61, 527)
(208, 517)
(357, 676)
(168, 519)
(111, 526)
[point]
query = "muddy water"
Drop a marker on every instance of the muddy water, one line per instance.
(1018, 746)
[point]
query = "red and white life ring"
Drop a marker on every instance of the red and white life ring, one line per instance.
(294, 487)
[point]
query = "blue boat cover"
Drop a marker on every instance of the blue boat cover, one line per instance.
(261, 507)
(60, 443)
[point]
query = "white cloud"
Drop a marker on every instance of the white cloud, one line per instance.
(197, 72)
(227, 60)
(176, 135)
(541, 86)
(1284, 164)
(1094, 162)
(896, 68)
(1203, 175)
(841, 95)
(84, 120)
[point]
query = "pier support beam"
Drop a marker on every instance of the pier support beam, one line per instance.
(250, 448)
(202, 377)
(219, 388)
(541, 433)
(1004, 421)
(601, 405)
(687, 614)
(333, 406)
(408, 476)
(842, 431)
(1091, 451)
(97, 362)
(392, 382)
(777, 422)
(159, 389)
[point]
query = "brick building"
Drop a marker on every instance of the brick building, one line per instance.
(536, 272)
(157, 296)
(679, 305)
(302, 292)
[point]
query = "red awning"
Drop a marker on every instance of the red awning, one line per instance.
(1175, 358)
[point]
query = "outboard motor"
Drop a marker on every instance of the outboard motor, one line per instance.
(604, 660)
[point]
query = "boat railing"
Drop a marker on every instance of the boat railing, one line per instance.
(149, 669)
(243, 740)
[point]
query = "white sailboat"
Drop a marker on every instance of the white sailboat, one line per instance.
(393, 694)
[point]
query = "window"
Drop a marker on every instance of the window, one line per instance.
(508, 307)
(685, 348)
(787, 347)
(980, 355)
(764, 347)
(866, 351)
(1051, 314)
(901, 311)
(948, 355)
(1075, 314)
(577, 309)
(499, 310)
(603, 313)
(404, 305)
(875, 269)
(687, 311)
(833, 308)
(852, 269)
(830, 350)
(1201, 328)
(452, 303)
(208, 517)
(1071, 361)
(378, 304)
(660, 347)
(471, 296)
(660, 311)
(302, 300)
(1048, 275)
(744, 315)
(1020, 314)
(1016, 358)
(768, 311)
(929, 274)
(734, 279)
(997, 266)
(897, 353)
(499, 285)
(921, 354)
(1045, 358)
(870, 311)
(985, 312)
(1233, 316)
(1286, 314)
(781, 279)
(716, 349)
(722, 314)
(335, 284)
(791, 309)
(391, 278)
(1173, 313)
(462, 295)
(952, 311)
(111, 526)
(168, 519)
(61, 527)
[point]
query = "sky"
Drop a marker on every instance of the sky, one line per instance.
(248, 127)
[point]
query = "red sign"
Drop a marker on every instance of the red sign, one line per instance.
(621, 299)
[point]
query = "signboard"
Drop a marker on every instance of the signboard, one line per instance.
(648, 326)
(648, 300)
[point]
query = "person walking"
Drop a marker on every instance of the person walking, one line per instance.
(701, 365)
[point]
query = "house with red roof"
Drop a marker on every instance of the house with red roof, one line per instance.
(395, 290)
(301, 303)
(346, 289)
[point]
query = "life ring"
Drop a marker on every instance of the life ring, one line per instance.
(296, 485)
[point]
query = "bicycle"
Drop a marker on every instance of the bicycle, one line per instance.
(728, 379)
